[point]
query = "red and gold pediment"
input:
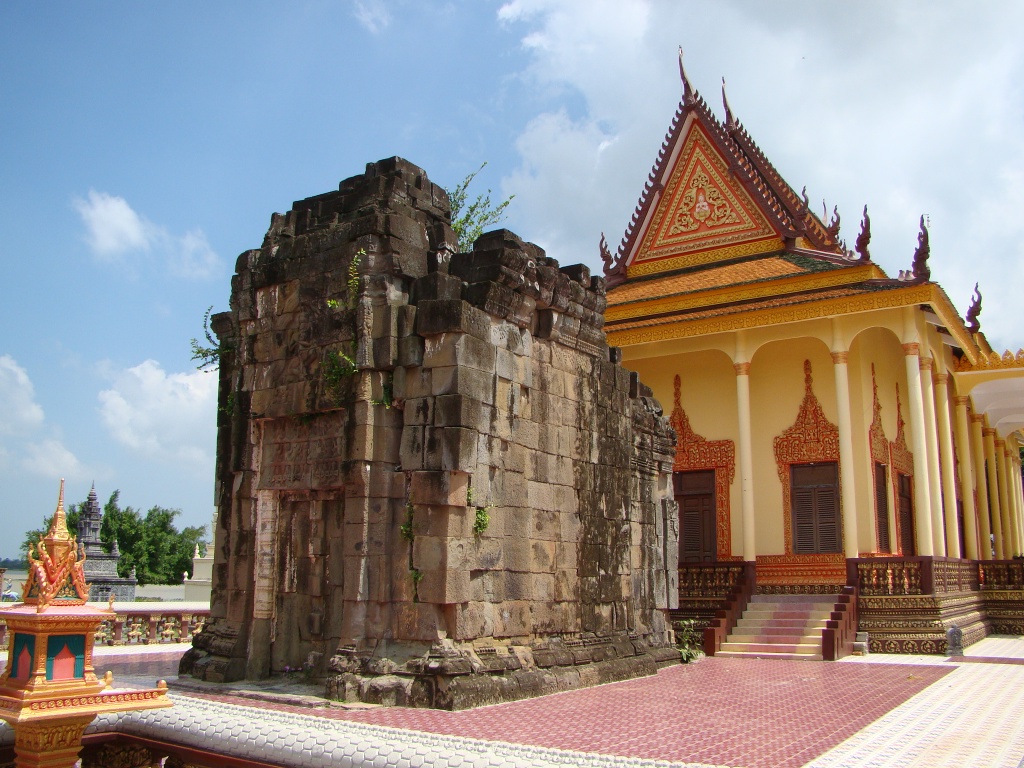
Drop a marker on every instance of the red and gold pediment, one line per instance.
(704, 216)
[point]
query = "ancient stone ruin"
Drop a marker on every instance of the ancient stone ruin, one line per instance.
(436, 484)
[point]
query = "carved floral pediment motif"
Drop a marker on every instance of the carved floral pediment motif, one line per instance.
(704, 208)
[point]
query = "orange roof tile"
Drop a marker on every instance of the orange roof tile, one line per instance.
(715, 277)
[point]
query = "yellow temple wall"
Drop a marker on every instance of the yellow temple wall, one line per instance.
(776, 391)
(882, 348)
(707, 393)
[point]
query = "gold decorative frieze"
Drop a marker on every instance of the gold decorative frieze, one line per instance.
(993, 361)
(788, 313)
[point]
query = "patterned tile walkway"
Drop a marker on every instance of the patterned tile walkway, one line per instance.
(756, 713)
(891, 711)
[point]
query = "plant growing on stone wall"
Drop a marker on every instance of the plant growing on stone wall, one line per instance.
(417, 577)
(481, 520)
(689, 640)
(470, 219)
(208, 357)
(335, 369)
(387, 398)
(406, 527)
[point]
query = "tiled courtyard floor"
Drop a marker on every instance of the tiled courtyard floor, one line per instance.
(755, 713)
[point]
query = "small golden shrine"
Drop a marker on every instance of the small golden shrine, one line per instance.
(49, 691)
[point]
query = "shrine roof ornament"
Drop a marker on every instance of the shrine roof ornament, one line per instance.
(920, 269)
(974, 311)
(864, 238)
(56, 565)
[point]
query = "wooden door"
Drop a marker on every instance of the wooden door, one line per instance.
(695, 494)
(814, 492)
(906, 515)
(882, 508)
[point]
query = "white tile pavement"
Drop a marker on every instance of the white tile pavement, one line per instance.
(971, 718)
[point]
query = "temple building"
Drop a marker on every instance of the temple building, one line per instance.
(837, 427)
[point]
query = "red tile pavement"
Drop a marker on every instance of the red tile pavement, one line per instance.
(757, 713)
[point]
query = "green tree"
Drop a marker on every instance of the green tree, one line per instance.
(469, 219)
(157, 551)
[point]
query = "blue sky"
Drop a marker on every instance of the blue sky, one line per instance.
(144, 146)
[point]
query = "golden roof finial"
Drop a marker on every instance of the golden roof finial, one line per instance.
(56, 564)
(59, 526)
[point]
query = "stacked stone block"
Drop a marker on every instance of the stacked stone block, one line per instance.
(436, 483)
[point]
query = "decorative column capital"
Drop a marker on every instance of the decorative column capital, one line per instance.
(742, 369)
(977, 418)
(912, 349)
(840, 358)
(988, 431)
(959, 400)
(925, 363)
(999, 441)
(940, 378)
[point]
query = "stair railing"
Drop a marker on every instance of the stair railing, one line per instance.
(726, 618)
(841, 628)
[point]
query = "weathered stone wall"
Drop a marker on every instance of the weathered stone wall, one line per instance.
(436, 483)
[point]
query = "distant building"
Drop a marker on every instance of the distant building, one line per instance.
(100, 565)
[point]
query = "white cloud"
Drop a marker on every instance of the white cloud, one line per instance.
(22, 421)
(911, 107)
(114, 231)
(112, 227)
(20, 414)
(192, 256)
(50, 458)
(372, 14)
(166, 416)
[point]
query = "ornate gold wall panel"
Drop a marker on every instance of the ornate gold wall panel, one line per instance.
(812, 438)
(695, 452)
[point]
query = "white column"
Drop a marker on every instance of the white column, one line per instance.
(1009, 545)
(1017, 492)
(963, 454)
(981, 481)
(922, 495)
(946, 459)
(932, 443)
(746, 460)
(989, 436)
(846, 462)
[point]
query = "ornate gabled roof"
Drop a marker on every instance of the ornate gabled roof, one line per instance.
(701, 161)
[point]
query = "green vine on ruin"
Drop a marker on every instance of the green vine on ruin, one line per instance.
(209, 357)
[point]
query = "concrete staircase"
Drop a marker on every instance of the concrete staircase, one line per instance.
(780, 627)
